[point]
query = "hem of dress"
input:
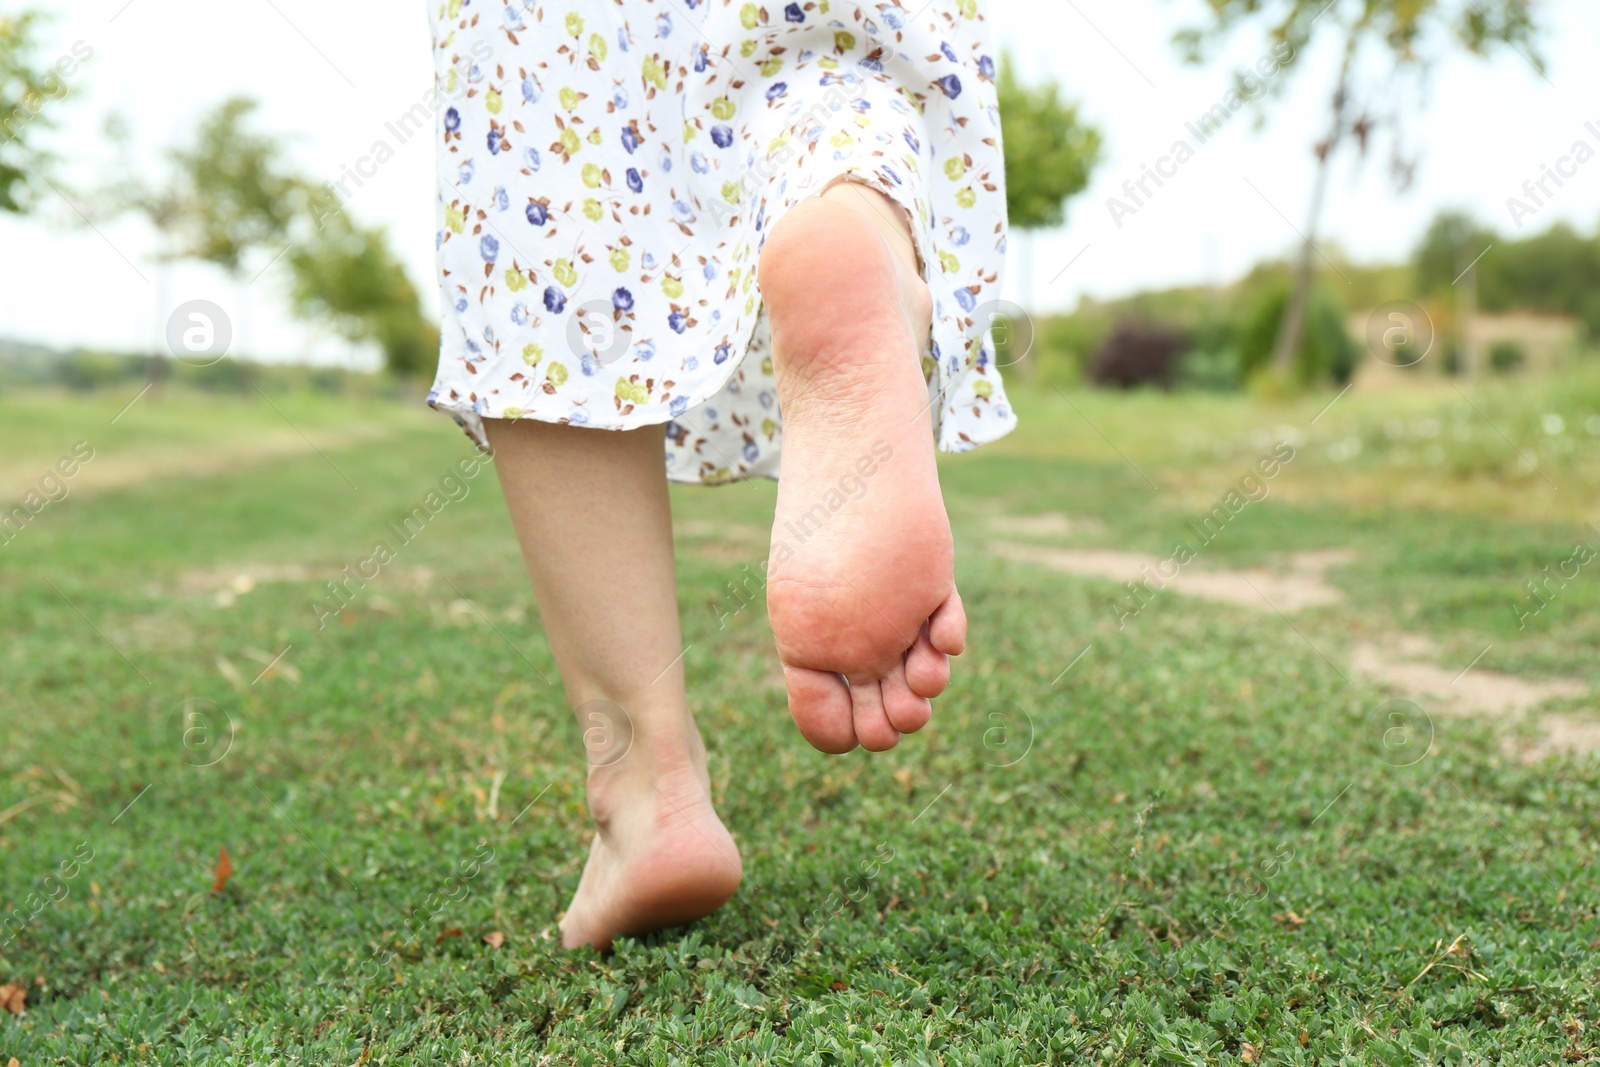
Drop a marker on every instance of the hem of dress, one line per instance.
(470, 419)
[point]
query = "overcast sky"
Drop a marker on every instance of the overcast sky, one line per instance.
(331, 75)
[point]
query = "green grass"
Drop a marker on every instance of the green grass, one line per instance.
(1196, 839)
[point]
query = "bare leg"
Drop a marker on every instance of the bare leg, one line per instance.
(591, 511)
(861, 584)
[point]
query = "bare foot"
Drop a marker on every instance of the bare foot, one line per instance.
(861, 583)
(660, 857)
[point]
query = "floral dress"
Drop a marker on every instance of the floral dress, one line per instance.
(609, 170)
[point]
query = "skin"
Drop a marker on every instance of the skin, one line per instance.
(864, 612)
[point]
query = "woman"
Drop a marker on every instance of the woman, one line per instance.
(662, 223)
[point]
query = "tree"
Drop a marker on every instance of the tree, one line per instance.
(237, 198)
(347, 275)
(1049, 152)
(1403, 33)
(1556, 272)
(1450, 248)
(229, 197)
(24, 92)
(225, 198)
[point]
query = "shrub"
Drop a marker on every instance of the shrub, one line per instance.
(1062, 348)
(85, 371)
(1327, 351)
(1506, 356)
(1138, 353)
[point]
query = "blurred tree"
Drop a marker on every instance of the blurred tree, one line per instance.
(225, 198)
(1325, 351)
(161, 206)
(1049, 154)
(236, 197)
(1446, 263)
(228, 198)
(346, 274)
(237, 200)
(24, 90)
(1405, 33)
(1557, 271)
(1450, 236)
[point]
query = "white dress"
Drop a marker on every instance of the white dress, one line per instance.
(609, 169)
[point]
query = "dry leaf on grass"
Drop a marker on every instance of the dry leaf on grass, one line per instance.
(454, 931)
(13, 998)
(1247, 1052)
(224, 872)
(494, 939)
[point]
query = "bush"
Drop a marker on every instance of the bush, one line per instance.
(1506, 356)
(1211, 369)
(85, 371)
(1062, 348)
(1138, 354)
(1327, 351)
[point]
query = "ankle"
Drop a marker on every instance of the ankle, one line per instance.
(661, 756)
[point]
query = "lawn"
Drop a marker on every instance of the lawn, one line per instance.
(1191, 834)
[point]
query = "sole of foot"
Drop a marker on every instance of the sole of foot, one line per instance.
(861, 588)
(660, 856)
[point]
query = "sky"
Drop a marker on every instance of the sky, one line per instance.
(332, 75)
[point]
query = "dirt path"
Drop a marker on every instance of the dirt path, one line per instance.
(110, 469)
(1407, 664)
(1301, 583)
(1402, 664)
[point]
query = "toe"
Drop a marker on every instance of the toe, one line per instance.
(927, 669)
(820, 703)
(873, 728)
(948, 627)
(907, 711)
